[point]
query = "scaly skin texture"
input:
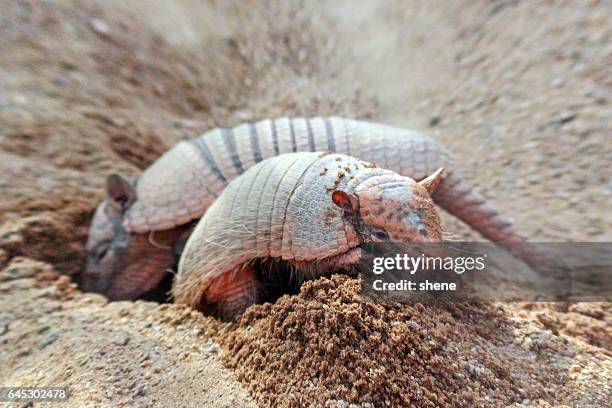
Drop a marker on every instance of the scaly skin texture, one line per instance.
(184, 182)
(310, 210)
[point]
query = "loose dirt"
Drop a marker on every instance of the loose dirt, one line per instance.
(329, 344)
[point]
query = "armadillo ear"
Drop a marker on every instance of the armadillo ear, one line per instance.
(119, 192)
(348, 202)
(432, 182)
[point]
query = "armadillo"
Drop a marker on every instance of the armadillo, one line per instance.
(138, 231)
(311, 210)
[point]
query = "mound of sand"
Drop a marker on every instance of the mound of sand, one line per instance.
(328, 344)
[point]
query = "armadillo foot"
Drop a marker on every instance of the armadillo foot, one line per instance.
(232, 293)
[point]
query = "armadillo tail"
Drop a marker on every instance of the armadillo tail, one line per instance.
(461, 200)
(464, 202)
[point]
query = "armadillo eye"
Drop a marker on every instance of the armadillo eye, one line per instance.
(101, 250)
(380, 234)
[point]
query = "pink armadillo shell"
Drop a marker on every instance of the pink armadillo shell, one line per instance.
(176, 189)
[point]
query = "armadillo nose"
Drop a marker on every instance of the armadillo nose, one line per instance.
(97, 275)
(91, 281)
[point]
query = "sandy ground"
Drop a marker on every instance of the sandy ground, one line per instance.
(519, 91)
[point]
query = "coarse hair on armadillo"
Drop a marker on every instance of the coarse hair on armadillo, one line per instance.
(226, 239)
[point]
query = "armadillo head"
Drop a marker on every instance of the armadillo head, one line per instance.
(121, 265)
(391, 207)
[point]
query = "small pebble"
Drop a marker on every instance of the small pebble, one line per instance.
(100, 26)
(213, 349)
(49, 339)
(566, 117)
(434, 119)
(4, 324)
(122, 341)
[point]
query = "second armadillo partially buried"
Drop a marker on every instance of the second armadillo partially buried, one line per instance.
(311, 210)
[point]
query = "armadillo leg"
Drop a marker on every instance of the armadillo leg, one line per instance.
(233, 292)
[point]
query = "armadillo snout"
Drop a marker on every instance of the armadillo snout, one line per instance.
(128, 271)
